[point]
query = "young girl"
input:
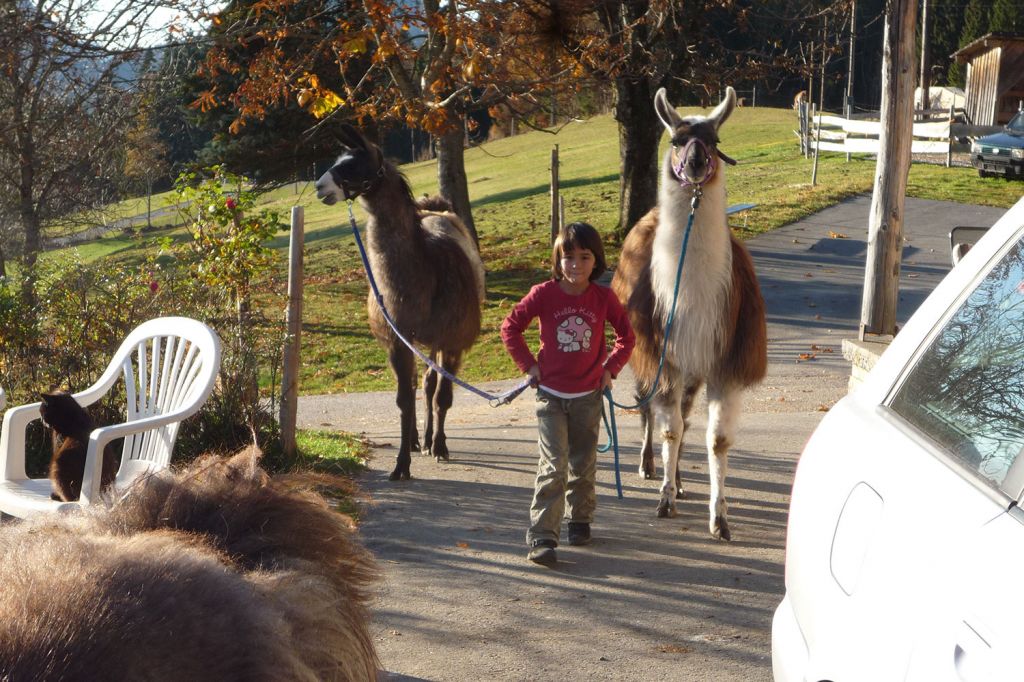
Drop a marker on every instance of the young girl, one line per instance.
(571, 370)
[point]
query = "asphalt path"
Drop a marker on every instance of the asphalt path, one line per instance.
(650, 598)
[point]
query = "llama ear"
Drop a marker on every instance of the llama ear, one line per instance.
(670, 118)
(350, 137)
(724, 108)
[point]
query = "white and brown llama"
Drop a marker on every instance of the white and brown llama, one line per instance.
(429, 274)
(718, 337)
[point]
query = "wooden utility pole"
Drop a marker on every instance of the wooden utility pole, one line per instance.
(885, 229)
(293, 329)
(926, 59)
(555, 213)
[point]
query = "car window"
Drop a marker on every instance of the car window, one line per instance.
(967, 390)
(1016, 124)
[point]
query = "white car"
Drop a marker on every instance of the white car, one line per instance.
(905, 548)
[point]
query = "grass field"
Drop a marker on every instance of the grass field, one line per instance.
(508, 184)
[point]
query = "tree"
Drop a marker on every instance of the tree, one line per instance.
(253, 52)
(145, 158)
(426, 65)
(693, 48)
(64, 102)
(975, 25)
(947, 23)
(1007, 16)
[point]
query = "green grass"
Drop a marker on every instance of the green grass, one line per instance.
(332, 452)
(339, 454)
(508, 184)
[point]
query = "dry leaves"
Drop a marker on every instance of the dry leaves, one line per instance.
(836, 235)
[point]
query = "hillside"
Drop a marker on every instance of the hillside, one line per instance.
(509, 190)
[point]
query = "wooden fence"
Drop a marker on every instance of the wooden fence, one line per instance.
(830, 133)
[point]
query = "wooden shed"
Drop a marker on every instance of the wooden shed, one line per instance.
(995, 77)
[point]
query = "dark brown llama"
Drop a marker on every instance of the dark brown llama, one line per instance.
(718, 337)
(429, 273)
(218, 572)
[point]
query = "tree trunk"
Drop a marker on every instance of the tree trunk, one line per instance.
(3, 263)
(639, 132)
(451, 176)
(885, 226)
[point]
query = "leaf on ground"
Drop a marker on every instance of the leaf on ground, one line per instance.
(821, 349)
(462, 545)
(805, 357)
(836, 235)
(672, 649)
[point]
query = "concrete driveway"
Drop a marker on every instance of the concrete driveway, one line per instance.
(650, 598)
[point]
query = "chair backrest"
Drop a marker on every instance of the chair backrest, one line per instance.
(169, 365)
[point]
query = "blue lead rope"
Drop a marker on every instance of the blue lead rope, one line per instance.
(609, 416)
(494, 400)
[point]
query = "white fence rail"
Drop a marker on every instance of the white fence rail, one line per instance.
(861, 137)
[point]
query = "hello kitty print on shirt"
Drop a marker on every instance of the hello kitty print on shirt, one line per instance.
(574, 335)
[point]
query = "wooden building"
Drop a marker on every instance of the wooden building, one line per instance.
(995, 77)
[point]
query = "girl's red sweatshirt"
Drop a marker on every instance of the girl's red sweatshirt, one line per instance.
(572, 355)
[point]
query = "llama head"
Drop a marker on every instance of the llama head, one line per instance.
(357, 171)
(694, 153)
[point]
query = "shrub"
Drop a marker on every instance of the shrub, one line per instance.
(82, 313)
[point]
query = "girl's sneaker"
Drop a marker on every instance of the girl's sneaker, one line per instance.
(543, 552)
(579, 533)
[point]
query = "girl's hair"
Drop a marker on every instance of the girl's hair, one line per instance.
(578, 236)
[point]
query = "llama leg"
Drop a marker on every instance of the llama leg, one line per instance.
(723, 409)
(443, 401)
(402, 363)
(685, 406)
(429, 389)
(668, 421)
(647, 446)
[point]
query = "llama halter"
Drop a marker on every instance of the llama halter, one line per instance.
(365, 187)
(680, 161)
(677, 166)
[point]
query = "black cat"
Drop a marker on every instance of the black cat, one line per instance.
(71, 426)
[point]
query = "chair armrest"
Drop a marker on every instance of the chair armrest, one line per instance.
(12, 441)
(99, 438)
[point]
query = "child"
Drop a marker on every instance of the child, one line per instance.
(570, 372)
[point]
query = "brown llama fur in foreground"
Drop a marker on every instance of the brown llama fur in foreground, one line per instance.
(217, 572)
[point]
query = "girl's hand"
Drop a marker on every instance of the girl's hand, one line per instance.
(606, 380)
(534, 374)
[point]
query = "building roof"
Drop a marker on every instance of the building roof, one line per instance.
(986, 43)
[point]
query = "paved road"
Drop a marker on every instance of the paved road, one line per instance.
(650, 598)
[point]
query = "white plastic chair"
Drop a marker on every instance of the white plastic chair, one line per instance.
(169, 366)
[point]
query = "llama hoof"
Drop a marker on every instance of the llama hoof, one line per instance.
(680, 495)
(720, 529)
(666, 510)
(647, 472)
(425, 452)
(440, 452)
(397, 475)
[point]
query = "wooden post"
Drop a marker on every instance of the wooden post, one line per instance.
(949, 150)
(885, 227)
(848, 105)
(555, 226)
(293, 330)
(817, 146)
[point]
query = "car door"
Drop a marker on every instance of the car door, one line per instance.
(966, 394)
(905, 500)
